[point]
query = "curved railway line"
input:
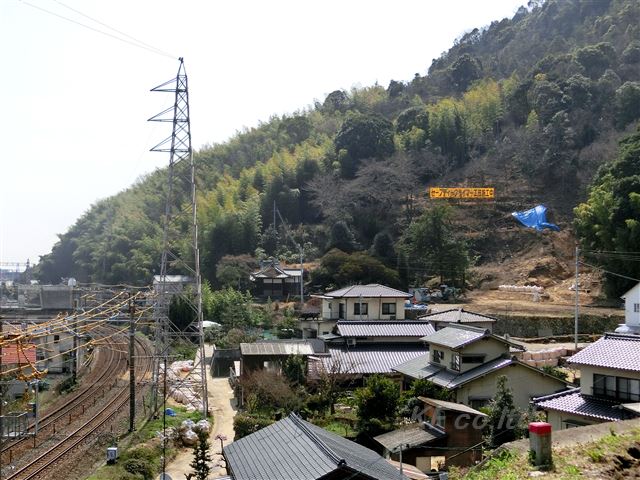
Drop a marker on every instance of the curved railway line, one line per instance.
(100, 382)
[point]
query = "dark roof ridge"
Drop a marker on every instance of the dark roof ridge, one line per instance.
(470, 328)
(622, 336)
(316, 440)
(551, 396)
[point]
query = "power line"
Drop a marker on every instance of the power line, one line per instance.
(609, 272)
(151, 47)
(139, 44)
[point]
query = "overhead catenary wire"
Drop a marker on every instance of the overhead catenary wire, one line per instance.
(72, 324)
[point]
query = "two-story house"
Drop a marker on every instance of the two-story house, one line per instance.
(609, 385)
(356, 303)
(276, 281)
(466, 362)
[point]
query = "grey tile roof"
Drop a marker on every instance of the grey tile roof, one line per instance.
(412, 436)
(456, 407)
(456, 336)
(572, 401)
(371, 358)
(276, 348)
(420, 367)
(399, 328)
(458, 315)
(292, 449)
(274, 271)
(371, 290)
(614, 350)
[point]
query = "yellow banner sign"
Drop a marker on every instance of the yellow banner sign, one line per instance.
(437, 192)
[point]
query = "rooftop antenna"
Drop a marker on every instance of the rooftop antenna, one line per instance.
(180, 262)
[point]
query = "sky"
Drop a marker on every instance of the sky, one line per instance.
(75, 90)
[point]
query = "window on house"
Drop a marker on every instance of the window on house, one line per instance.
(436, 356)
(56, 338)
(478, 402)
(618, 388)
(472, 358)
(357, 310)
(455, 362)
(388, 308)
(636, 307)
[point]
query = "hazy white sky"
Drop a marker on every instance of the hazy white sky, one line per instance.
(75, 102)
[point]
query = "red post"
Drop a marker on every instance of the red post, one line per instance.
(540, 443)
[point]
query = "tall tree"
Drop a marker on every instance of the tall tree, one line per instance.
(431, 243)
(609, 219)
(363, 136)
(377, 405)
(504, 416)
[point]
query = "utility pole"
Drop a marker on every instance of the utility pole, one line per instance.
(577, 299)
(300, 248)
(132, 377)
(401, 469)
(74, 354)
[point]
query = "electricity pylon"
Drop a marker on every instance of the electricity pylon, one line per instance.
(179, 277)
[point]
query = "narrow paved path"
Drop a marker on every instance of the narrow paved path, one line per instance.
(222, 404)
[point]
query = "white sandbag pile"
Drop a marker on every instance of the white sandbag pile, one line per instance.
(521, 289)
(189, 431)
(182, 392)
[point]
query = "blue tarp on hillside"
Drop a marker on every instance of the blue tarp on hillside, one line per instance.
(535, 218)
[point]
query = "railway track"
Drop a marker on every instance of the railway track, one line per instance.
(44, 465)
(75, 404)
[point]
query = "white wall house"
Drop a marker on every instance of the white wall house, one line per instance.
(609, 385)
(631, 311)
(356, 303)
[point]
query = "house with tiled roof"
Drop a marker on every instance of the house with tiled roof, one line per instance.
(609, 385)
(275, 281)
(373, 302)
(466, 362)
(293, 449)
(371, 347)
(444, 318)
(444, 434)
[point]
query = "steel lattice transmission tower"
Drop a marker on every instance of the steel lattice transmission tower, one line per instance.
(180, 263)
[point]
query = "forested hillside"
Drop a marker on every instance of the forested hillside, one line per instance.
(531, 105)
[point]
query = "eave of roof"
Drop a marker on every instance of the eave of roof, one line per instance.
(374, 290)
(410, 436)
(455, 407)
(573, 402)
(451, 380)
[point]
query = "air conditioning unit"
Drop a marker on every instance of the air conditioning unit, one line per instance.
(351, 342)
(392, 317)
